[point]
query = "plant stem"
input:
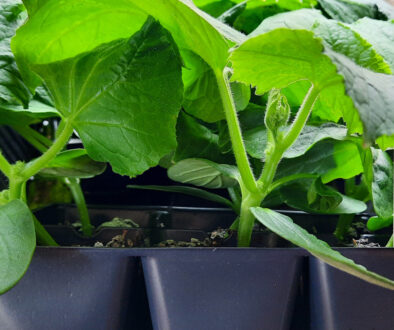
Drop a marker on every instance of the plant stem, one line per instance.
(343, 225)
(301, 118)
(390, 242)
(36, 165)
(246, 219)
(235, 131)
(5, 166)
(43, 237)
(283, 144)
(79, 199)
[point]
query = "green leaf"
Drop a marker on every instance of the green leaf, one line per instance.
(14, 115)
(257, 11)
(12, 88)
(256, 139)
(17, 241)
(337, 36)
(204, 173)
(382, 184)
(312, 196)
(196, 192)
(284, 226)
(56, 32)
(379, 34)
(197, 141)
(329, 158)
(372, 95)
(376, 223)
(281, 57)
(201, 96)
(214, 7)
(73, 163)
(349, 11)
(123, 98)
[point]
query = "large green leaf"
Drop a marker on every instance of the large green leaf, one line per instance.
(201, 96)
(349, 11)
(256, 139)
(57, 32)
(73, 163)
(12, 88)
(329, 158)
(17, 242)
(339, 37)
(122, 97)
(258, 10)
(382, 184)
(380, 34)
(311, 196)
(282, 57)
(214, 7)
(284, 226)
(197, 141)
(372, 95)
(204, 173)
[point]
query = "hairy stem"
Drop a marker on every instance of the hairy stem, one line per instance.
(5, 166)
(80, 201)
(301, 118)
(235, 132)
(36, 165)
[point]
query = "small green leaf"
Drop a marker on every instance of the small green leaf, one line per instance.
(73, 163)
(382, 184)
(312, 197)
(17, 241)
(196, 192)
(329, 158)
(284, 226)
(376, 223)
(204, 173)
(123, 98)
(256, 139)
(14, 115)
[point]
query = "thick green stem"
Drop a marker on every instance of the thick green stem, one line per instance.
(79, 199)
(43, 237)
(235, 132)
(246, 219)
(36, 165)
(343, 225)
(5, 166)
(301, 118)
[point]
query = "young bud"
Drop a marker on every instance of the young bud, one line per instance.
(277, 113)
